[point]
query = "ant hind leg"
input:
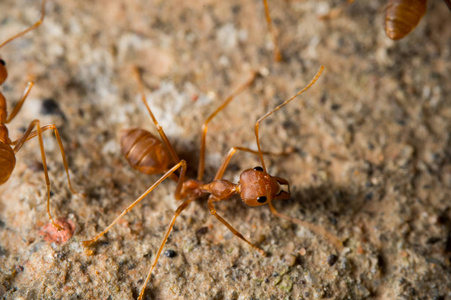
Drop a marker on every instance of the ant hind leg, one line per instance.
(159, 128)
(181, 208)
(181, 164)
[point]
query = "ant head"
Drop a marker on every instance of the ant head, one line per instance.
(3, 71)
(257, 187)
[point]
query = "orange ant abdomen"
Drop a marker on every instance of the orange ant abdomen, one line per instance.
(144, 152)
(7, 161)
(402, 16)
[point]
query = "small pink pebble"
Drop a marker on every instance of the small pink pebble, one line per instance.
(53, 235)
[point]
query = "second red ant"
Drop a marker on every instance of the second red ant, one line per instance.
(256, 187)
(8, 148)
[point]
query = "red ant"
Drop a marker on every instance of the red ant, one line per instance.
(7, 152)
(256, 187)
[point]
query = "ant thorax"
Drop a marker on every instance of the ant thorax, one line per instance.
(221, 189)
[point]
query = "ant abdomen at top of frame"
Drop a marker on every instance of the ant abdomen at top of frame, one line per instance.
(7, 161)
(256, 186)
(144, 152)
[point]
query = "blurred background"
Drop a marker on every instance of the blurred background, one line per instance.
(371, 140)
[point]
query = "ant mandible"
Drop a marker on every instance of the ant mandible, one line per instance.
(256, 187)
(8, 148)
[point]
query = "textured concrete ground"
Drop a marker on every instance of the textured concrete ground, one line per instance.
(371, 138)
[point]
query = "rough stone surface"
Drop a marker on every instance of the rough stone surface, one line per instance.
(372, 159)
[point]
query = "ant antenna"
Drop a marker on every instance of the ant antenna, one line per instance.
(201, 167)
(34, 26)
(318, 74)
(277, 55)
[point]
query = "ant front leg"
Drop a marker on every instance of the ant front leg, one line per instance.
(212, 209)
(29, 134)
(219, 175)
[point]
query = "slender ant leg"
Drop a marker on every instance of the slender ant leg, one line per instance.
(17, 108)
(171, 225)
(212, 209)
(29, 135)
(174, 156)
(181, 164)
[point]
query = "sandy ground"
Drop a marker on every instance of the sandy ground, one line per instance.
(372, 159)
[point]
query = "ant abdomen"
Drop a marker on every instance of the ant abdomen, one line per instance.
(402, 16)
(7, 161)
(144, 152)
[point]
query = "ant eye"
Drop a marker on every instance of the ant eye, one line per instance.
(2, 62)
(260, 169)
(261, 199)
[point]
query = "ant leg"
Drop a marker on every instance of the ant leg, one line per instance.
(163, 243)
(318, 74)
(233, 150)
(314, 228)
(201, 167)
(19, 143)
(34, 26)
(160, 130)
(277, 55)
(181, 164)
(20, 103)
(212, 209)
